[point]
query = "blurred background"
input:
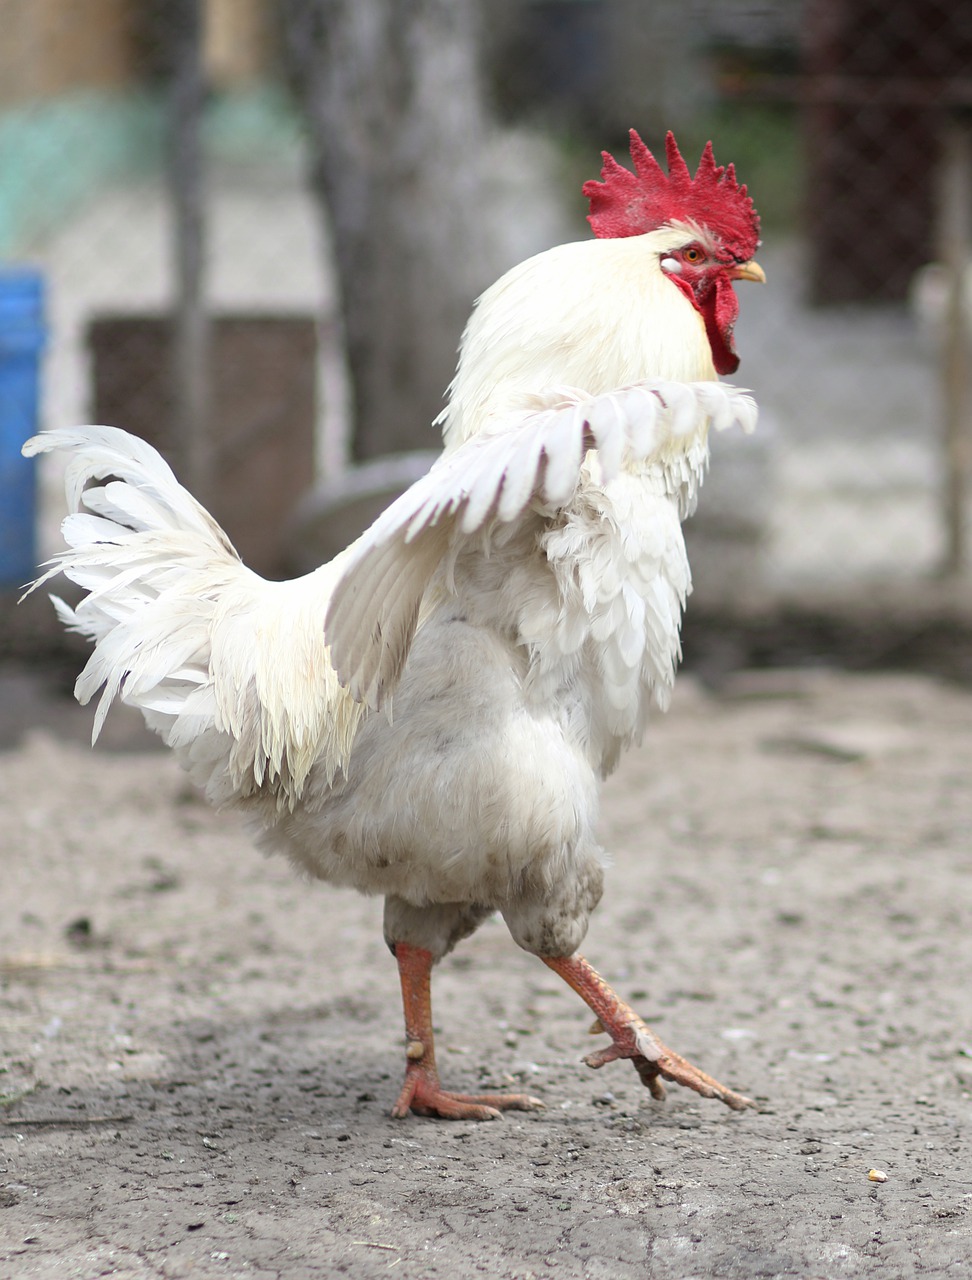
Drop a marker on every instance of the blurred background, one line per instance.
(251, 231)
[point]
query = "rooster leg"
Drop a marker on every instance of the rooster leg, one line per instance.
(633, 1039)
(422, 1092)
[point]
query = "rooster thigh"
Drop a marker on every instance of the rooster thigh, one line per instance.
(470, 800)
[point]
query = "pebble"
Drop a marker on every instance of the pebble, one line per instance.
(877, 1175)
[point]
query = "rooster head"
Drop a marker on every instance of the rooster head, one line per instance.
(715, 229)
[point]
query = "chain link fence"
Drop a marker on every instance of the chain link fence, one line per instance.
(847, 118)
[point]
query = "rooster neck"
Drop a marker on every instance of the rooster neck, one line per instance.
(595, 315)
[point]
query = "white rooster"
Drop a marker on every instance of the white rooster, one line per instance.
(521, 602)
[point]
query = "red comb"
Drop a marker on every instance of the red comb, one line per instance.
(629, 204)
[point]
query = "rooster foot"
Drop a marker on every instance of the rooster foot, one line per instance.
(654, 1061)
(423, 1094)
(632, 1038)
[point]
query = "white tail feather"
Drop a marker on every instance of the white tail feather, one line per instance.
(189, 635)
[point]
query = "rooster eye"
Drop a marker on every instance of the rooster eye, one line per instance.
(693, 255)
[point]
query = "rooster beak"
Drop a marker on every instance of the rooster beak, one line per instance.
(750, 270)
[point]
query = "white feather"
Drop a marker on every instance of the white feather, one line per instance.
(522, 601)
(495, 477)
(171, 608)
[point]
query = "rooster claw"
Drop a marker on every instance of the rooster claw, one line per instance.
(632, 1038)
(654, 1060)
(423, 1095)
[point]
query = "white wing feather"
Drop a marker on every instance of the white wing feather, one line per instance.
(531, 456)
(243, 677)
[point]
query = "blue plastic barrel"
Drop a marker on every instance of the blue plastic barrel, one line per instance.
(22, 336)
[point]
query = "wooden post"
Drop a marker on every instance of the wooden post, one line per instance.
(191, 363)
(955, 254)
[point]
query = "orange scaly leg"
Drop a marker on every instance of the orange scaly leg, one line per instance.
(422, 1092)
(633, 1039)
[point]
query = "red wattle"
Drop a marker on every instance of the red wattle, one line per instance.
(719, 311)
(718, 308)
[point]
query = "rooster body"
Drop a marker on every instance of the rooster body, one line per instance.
(428, 716)
(507, 715)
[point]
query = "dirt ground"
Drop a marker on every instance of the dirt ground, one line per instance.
(199, 1051)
